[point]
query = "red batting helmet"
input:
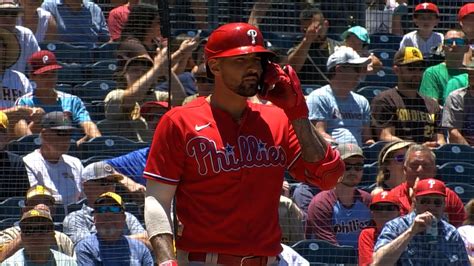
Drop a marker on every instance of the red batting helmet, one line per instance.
(235, 39)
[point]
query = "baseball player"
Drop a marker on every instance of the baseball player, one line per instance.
(224, 158)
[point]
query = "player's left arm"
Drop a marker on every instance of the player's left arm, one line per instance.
(323, 165)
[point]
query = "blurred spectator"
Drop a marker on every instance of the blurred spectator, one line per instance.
(402, 113)
(383, 209)
(408, 240)
(338, 113)
(97, 178)
(458, 112)
(358, 39)
(13, 179)
(38, 20)
(44, 74)
(467, 230)
(131, 164)
(400, 18)
(338, 215)
(13, 83)
(378, 18)
(109, 246)
(466, 21)
(420, 163)
(290, 257)
(78, 22)
(303, 195)
(152, 113)
(390, 162)
(426, 17)
(343, 14)
(117, 19)
(309, 57)
(436, 77)
(291, 221)
(50, 166)
(203, 83)
(9, 10)
(10, 238)
(37, 236)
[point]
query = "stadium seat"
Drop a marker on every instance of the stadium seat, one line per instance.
(385, 41)
(106, 51)
(11, 208)
(454, 153)
(322, 252)
(102, 70)
(8, 222)
(94, 90)
(385, 55)
(371, 152)
(283, 41)
(67, 88)
(369, 92)
(456, 172)
(384, 77)
(76, 205)
(71, 74)
(96, 110)
(465, 191)
(369, 175)
(307, 89)
(24, 145)
(136, 210)
(109, 145)
(68, 53)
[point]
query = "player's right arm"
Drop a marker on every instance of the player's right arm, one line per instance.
(158, 219)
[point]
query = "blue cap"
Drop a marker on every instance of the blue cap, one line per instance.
(358, 31)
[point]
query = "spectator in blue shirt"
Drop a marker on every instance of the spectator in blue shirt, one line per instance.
(131, 164)
(422, 237)
(109, 246)
(79, 22)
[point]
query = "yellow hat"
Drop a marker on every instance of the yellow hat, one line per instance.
(39, 191)
(110, 195)
(408, 55)
(3, 120)
(36, 213)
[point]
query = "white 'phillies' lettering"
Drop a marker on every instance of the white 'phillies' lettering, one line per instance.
(384, 194)
(431, 182)
(253, 35)
(253, 153)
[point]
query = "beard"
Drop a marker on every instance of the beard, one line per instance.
(247, 88)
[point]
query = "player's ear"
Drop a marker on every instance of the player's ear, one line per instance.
(213, 66)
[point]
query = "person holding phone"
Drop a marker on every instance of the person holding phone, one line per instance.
(224, 158)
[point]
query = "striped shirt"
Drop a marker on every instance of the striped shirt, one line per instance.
(412, 39)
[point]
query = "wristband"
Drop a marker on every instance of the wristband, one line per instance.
(169, 263)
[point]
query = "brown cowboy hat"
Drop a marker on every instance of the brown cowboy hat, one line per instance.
(11, 45)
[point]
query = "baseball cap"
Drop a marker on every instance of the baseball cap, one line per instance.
(57, 120)
(383, 197)
(43, 61)
(116, 199)
(36, 213)
(99, 170)
(347, 150)
(12, 5)
(148, 106)
(407, 55)
(390, 147)
(465, 10)
(3, 120)
(426, 7)
(131, 50)
(358, 31)
(346, 56)
(39, 191)
(430, 186)
(12, 47)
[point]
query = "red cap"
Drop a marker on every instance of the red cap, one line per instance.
(383, 197)
(427, 7)
(235, 39)
(430, 186)
(465, 10)
(43, 61)
(148, 106)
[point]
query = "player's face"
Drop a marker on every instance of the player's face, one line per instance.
(409, 76)
(432, 203)
(241, 74)
(354, 171)
(419, 165)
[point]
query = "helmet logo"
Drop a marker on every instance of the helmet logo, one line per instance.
(45, 59)
(253, 35)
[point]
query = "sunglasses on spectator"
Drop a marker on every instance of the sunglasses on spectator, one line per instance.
(458, 41)
(62, 133)
(101, 182)
(415, 67)
(108, 209)
(436, 202)
(36, 229)
(384, 208)
(6, 13)
(357, 166)
(399, 158)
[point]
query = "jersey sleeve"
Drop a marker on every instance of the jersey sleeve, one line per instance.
(319, 219)
(166, 158)
(79, 111)
(366, 246)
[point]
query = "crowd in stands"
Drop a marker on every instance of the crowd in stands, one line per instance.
(380, 76)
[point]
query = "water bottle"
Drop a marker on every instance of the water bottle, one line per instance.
(432, 231)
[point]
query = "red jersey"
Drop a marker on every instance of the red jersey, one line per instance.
(367, 239)
(228, 175)
(454, 206)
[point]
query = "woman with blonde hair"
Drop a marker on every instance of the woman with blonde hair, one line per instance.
(390, 163)
(467, 230)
